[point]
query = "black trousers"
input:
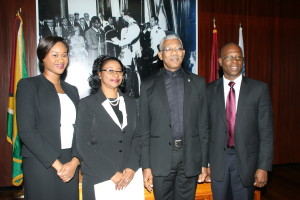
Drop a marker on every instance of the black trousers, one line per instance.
(175, 186)
(231, 188)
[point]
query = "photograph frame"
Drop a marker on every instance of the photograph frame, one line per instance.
(178, 17)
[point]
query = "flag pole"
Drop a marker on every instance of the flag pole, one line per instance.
(241, 44)
(214, 55)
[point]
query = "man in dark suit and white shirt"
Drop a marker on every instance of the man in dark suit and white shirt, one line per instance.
(67, 29)
(240, 130)
(173, 124)
(83, 27)
(72, 21)
(87, 20)
(48, 29)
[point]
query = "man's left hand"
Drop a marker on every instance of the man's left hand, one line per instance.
(203, 175)
(261, 178)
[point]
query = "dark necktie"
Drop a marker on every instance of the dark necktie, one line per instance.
(230, 114)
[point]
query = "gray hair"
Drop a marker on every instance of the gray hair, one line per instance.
(169, 37)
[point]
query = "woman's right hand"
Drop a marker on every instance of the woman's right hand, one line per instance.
(116, 178)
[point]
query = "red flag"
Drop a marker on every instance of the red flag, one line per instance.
(214, 58)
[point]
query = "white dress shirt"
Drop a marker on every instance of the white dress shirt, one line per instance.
(67, 121)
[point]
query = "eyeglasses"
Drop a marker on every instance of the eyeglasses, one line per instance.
(168, 50)
(111, 72)
(231, 58)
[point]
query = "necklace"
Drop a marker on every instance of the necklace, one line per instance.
(114, 102)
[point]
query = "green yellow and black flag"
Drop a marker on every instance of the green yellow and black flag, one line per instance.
(17, 72)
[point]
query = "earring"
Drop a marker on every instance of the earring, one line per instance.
(100, 77)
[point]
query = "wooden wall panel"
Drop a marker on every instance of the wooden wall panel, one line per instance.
(8, 11)
(271, 31)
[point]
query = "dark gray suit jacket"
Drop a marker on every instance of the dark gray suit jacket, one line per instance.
(156, 129)
(38, 117)
(103, 146)
(253, 129)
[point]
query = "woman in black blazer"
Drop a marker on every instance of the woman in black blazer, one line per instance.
(46, 112)
(106, 129)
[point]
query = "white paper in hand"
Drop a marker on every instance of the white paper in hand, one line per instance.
(134, 191)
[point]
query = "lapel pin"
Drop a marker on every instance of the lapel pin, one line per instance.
(189, 80)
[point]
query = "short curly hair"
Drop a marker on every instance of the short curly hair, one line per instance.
(94, 80)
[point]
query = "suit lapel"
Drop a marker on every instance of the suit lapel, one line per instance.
(163, 93)
(219, 92)
(242, 99)
(107, 107)
(111, 112)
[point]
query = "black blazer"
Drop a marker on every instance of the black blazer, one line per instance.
(253, 129)
(104, 147)
(38, 118)
(156, 129)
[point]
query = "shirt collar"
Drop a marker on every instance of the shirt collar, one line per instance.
(237, 81)
(178, 72)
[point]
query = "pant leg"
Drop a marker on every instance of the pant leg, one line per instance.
(231, 186)
(163, 187)
(237, 188)
(221, 189)
(175, 186)
(185, 187)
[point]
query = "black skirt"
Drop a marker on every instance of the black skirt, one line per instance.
(41, 183)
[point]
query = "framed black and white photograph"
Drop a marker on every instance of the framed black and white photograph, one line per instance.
(128, 29)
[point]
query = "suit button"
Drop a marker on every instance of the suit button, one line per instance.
(170, 143)
(224, 149)
(120, 141)
(170, 125)
(123, 131)
(120, 150)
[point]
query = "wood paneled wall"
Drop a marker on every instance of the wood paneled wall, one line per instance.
(271, 31)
